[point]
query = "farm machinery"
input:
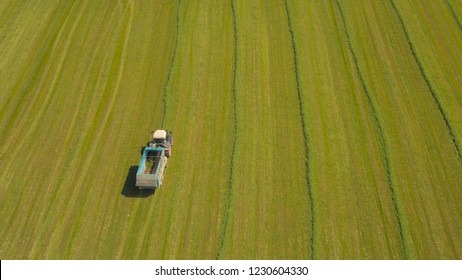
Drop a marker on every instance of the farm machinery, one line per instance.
(154, 160)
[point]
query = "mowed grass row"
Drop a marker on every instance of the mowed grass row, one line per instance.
(425, 167)
(436, 36)
(353, 207)
(269, 215)
(455, 8)
(188, 211)
(79, 104)
(321, 129)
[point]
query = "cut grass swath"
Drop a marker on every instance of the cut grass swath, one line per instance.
(305, 136)
(383, 142)
(429, 84)
(229, 191)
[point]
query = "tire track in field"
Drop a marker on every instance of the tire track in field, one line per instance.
(59, 160)
(20, 147)
(427, 81)
(454, 14)
(94, 142)
(305, 135)
(14, 44)
(126, 30)
(24, 107)
(52, 198)
(224, 225)
(73, 160)
(391, 186)
(172, 65)
(12, 20)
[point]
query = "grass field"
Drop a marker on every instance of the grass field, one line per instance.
(303, 129)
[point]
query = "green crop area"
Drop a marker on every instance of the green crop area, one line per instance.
(303, 129)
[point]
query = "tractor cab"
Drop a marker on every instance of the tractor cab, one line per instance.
(164, 139)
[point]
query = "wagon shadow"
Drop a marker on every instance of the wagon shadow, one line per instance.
(130, 190)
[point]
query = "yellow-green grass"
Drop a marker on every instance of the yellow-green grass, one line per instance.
(435, 33)
(188, 210)
(269, 210)
(303, 129)
(86, 98)
(353, 211)
(426, 170)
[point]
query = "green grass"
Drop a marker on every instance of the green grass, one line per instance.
(303, 129)
(269, 200)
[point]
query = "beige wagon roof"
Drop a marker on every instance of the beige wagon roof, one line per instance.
(159, 134)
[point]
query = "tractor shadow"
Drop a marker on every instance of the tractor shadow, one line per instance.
(130, 190)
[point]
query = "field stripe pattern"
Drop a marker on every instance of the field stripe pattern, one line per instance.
(266, 104)
(303, 129)
(381, 136)
(427, 81)
(229, 191)
(305, 135)
(421, 149)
